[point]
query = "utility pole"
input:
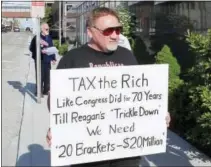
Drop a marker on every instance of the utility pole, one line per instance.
(37, 12)
(60, 24)
(38, 60)
(65, 20)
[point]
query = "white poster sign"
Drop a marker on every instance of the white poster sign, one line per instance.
(108, 113)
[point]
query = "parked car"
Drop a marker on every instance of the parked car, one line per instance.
(28, 29)
(8, 28)
(3, 28)
(16, 29)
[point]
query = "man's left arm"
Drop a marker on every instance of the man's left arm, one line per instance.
(50, 45)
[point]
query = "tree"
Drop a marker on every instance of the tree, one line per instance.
(165, 57)
(127, 21)
(170, 30)
(200, 89)
(193, 102)
(16, 22)
(48, 16)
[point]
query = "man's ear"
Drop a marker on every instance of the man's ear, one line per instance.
(89, 32)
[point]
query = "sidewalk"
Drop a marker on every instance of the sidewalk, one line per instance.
(33, 149)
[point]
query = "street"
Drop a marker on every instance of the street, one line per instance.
(25, 122)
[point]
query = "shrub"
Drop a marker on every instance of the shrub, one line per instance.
(165, 57)
(193, 99)
(127, 21)
(56, 43)
(63, 49)
(199, 92)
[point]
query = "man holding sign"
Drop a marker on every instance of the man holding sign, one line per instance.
(103, 28)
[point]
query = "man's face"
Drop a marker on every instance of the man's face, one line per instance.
(45, 29)
(105, 33)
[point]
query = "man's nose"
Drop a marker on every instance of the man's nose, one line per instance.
(114, 35)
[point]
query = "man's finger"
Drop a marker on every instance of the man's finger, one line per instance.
(48, 140)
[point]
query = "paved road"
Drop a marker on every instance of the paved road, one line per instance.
(15, 65)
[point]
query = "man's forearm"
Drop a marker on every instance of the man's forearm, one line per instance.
(48, 102)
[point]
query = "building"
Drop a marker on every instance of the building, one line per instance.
(149, 14)
(16, 10)
(17, 14)
(145, 17)
(197, 12)
(49, 3)
(68, 19)
(146, 12)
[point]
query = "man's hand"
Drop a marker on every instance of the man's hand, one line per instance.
(53, 62)
(43, 51)
(168, 119)
(49, 137)
(44, 43)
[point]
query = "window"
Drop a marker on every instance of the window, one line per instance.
(201, 5)
(173, 8)
(68, 7)
(138, 9)
(178, 8)
(188, 5)
(152, 23)
(106, 4)
(112, 4)
(192, 5)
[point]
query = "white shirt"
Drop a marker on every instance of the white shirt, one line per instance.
(123, 41)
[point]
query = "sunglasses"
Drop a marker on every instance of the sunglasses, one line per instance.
(110, 30)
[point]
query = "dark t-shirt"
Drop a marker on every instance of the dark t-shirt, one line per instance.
(84, 57)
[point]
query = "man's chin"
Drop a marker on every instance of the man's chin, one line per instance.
(112, 48)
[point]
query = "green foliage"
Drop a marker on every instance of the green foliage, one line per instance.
(56, 43)
(62, 49)
(193, 107)
(165, 57)
(171, 30)
(127, 21)
(124, 20)
(200, 90)
(48, 16)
